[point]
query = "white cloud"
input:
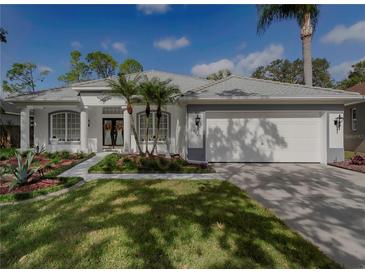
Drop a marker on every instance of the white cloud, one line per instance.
(76, 45)
(153, 9)
(203, 70)
(120, 47)
(242, 64)
(247, 64)
(342, 33)
(43, 68)
(171, 43)
(341, 70)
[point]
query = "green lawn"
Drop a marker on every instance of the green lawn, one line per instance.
(118, 163)
(151, 224)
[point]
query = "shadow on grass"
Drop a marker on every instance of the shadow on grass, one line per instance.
(152, 224)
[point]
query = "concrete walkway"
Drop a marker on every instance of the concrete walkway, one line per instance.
(81, 170)
(324, 204)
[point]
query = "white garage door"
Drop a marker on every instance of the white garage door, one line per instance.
(263, 137)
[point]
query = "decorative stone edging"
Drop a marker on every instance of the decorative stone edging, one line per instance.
(47, 196)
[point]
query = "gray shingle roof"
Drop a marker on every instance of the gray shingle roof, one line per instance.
(184, 82)
(193, 88)
(66, 94)
(243, 87)
(8, 108)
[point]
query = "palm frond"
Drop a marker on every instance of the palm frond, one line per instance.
(267, 14)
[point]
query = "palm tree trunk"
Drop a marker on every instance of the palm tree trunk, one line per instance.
(306, 36)
(135, 134)
(146, 132)
(157, 134)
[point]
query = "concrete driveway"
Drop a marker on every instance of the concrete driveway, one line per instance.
(325, 204)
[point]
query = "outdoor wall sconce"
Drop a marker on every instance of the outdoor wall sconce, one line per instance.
(337, 122)
(88, 123)
(197, 123)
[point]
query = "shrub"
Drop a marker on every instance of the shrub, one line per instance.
(23, 171)
(65, 154)
(39, 149)
(55, 159)
(358, 160)
(7, 153)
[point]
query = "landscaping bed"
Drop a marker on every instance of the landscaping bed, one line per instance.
(356, 163)
(349, 166)
(42, 187)
(152, 224)
(119, 163)
(45, 180)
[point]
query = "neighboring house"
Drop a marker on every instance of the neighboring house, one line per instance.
(355, 122)
(9, 125)
(236, 119)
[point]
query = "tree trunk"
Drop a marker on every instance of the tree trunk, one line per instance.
(158, 114)
(146, 132)
(130, 112)
(135, 135)
(306, 36)
(157, 135)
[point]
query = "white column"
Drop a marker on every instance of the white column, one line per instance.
(127, 131)
(84, 130)
(24, 129)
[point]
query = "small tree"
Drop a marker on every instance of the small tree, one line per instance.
(101, 63)
(355, 76)
(79, 71)
(130, 66)
(165, 94)
(23, 77)
(128, 89)
(223, 73)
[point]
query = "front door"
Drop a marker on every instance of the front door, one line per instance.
(113, 132)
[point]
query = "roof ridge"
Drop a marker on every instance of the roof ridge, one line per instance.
(180, 75)
(146, 71)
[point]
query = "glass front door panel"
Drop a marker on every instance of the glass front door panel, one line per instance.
(113, 132)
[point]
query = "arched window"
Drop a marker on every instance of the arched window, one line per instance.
(65, 126)
(152, 131)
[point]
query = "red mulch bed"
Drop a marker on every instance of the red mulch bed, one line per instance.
(349, 166)
(35, 182)
(43, 183)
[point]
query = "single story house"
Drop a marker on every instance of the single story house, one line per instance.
(237, 119)
(355, 122)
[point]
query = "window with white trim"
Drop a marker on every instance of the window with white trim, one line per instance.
(354, 119)
(152, 126)
(65, 126)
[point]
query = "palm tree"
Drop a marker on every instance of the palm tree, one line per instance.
(164, 94)
(307, 18)
(128, 89)
(147, 90)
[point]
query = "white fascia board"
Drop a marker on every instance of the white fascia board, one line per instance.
(271, 99)
(91, 88)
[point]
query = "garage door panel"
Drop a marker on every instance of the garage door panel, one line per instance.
(269, 137)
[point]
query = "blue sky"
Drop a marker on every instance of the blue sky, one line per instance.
(188, 39)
